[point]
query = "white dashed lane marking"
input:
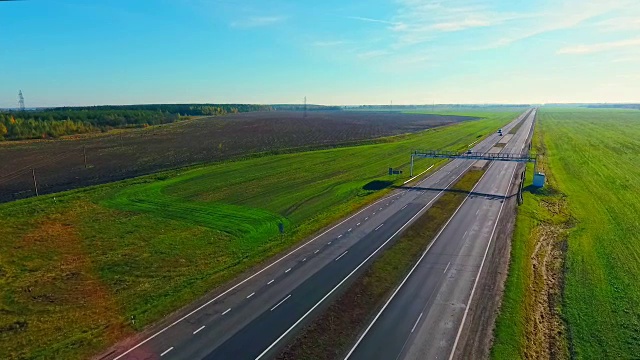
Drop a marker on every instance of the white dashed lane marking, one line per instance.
(197, 331)
(416, 324)
(166, 351)
(283, 300)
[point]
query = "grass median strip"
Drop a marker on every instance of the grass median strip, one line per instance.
(514, 130)
(329, 335)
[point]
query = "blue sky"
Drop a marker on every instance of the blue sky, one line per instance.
(81, 52)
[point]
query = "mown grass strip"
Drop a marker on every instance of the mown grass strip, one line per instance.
(330, 334)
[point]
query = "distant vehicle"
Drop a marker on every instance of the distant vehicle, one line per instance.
(500, 132)
(469, 152)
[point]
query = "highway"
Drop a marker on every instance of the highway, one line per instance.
(253, 317)
(424, 317)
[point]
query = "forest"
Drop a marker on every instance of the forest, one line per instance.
(56, 122)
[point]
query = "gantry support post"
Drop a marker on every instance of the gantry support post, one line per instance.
(411, 171)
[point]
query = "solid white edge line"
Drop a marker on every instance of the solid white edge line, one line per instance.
(417, 263)
(486, 251)
(429, 168)
(419, 213)
(447, 268)
(197, 331)
(247, 279)
(283, 300)
(341, 255)
(416, 324)
(166, 351)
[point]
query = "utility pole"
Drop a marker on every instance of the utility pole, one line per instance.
(35, 184)
(305, 107)
(84, 153)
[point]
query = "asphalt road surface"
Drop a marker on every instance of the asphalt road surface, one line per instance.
(254, 317)
(424, 318)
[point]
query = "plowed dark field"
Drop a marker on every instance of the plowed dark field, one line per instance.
(59, 164)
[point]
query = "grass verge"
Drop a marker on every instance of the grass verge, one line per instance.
(331, 333)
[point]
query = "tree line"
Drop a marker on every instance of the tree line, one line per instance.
(56, 122)
(181, 109)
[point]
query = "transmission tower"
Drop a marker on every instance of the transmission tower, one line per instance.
(20, 100)
(305, 107)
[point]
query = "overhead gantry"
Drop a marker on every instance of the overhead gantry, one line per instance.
(538, 178)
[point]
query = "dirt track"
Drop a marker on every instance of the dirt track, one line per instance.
(59, 164)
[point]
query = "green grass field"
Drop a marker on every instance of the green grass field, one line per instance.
(594, 201)
(77, 267)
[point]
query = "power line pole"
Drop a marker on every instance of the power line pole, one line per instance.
(305, 107)
(35, 184)
(20, 100)
(84, 153)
